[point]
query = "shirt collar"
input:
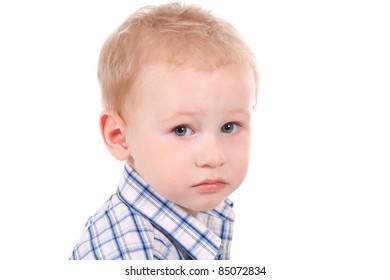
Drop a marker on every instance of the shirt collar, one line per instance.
(195, 237)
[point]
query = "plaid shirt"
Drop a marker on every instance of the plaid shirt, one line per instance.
(137, 223)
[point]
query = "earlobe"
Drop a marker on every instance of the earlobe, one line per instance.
(112, 129)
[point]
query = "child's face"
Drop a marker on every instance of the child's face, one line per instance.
(188, 132)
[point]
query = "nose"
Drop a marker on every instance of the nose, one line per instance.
(211, 153)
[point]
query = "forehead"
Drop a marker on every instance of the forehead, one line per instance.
(161, 75)
(165, 87)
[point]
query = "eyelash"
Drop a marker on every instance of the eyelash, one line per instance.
(183, 130)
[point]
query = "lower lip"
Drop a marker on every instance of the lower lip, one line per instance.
(209, 188)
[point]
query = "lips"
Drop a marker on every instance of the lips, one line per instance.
(210, 186)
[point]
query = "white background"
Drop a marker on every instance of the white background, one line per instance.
(315, 204)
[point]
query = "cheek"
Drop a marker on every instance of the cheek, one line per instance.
(238, 153)
(163, 160)
(241, 160)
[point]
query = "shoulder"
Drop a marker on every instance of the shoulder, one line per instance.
(115, 231)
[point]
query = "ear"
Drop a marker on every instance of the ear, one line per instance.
(112, 128)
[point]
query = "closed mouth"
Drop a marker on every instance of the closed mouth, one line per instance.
(211, 185)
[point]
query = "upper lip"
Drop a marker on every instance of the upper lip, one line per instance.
(211, 182)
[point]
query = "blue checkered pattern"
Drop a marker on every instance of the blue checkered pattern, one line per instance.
(138, 224)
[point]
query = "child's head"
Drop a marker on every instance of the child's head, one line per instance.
(178, 87)
(173, 33)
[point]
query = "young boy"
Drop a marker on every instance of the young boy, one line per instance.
(178, 89)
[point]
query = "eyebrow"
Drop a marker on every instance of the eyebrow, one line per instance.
(240, 111)
(178, 114)
(192, 113)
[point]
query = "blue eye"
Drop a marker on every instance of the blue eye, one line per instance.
(230, 127)
(182, 130)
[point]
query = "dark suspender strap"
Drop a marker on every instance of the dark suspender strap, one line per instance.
(177, 245)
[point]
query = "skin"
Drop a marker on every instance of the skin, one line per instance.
(186, 132)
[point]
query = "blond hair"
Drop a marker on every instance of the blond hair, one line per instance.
(174, 33)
